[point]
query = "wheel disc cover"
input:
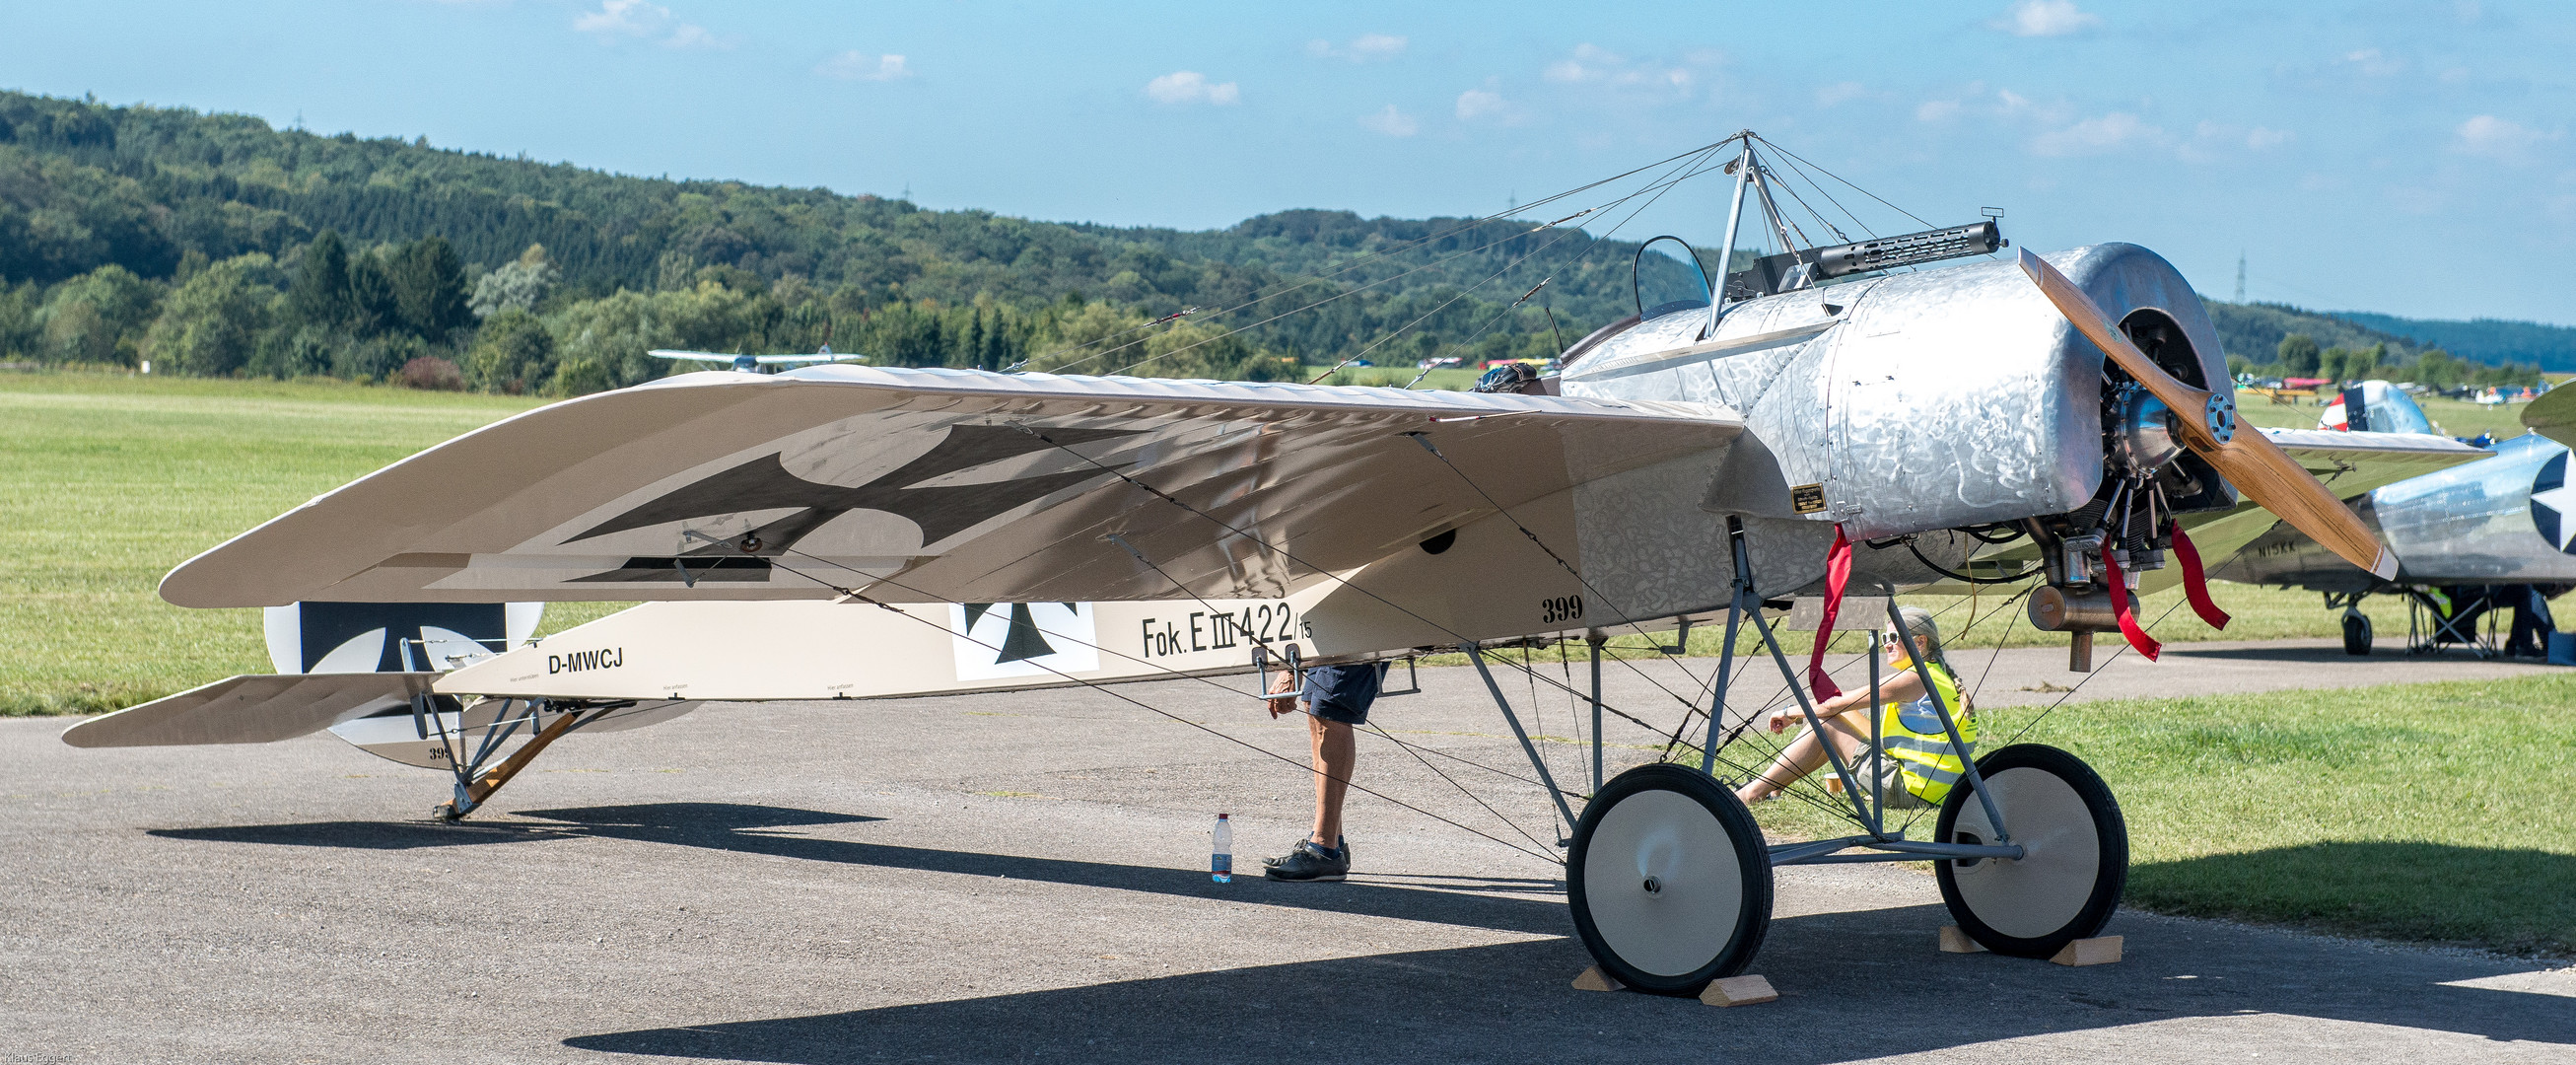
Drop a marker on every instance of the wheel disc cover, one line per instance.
(2062, 860)
(1671, 838)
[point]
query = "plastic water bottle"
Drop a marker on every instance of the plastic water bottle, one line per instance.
(1221, 860)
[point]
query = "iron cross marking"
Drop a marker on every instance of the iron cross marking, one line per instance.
(1025, 641)
(765, 484)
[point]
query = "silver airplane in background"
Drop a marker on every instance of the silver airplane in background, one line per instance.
(2498, 533)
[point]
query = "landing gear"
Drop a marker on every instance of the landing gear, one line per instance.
(2356, 632)
(2075, 857)
(1669, 880)
(476, 775)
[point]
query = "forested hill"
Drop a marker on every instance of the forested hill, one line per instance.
(2275, 338)
(2553, 347)
(131, 231)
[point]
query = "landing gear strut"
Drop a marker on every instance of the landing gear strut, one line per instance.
(474, 782)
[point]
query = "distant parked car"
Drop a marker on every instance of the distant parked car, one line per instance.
(1434, 364)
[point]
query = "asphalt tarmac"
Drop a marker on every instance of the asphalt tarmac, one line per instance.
(1022, 877)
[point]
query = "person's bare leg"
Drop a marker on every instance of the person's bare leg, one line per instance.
(1803, 755)
(1336, 751)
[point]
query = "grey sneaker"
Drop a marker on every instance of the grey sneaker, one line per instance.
(1343, 844)
(1309, 862)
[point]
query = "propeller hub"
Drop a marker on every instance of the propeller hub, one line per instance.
(2221, 416)
(2145, 435)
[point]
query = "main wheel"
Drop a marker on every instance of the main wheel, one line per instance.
(1669, 880)
(2075, 855)
(2356, 634)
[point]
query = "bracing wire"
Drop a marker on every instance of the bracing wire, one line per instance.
(855, 595)
(1659, 186)
(1287, 288)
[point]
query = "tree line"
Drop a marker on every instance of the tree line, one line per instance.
(2299, 355)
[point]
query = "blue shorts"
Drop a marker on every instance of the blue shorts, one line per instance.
(1342, 693)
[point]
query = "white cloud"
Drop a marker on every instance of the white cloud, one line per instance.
(2216, 141)
(1191, 87)
(1593, 65)
(1391, 122)
(2096, 135)
(1936, 110)
(628, 18)
(2498, 138)
(2375, 63)
(1365, 48)
(1474, 104)
(1590, 63)
(2046, 18)
(1839, 92)
(637, 18)
(856, 65)
(694, 36)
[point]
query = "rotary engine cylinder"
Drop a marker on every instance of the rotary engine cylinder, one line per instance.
(2056, 609)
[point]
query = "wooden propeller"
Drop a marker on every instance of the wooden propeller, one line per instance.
(2207, 424)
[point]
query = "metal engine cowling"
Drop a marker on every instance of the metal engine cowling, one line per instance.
(1943, 398)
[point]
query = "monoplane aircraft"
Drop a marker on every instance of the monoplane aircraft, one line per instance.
(751, 363)
(1840, 415)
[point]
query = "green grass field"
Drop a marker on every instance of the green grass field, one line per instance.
(2422, 812)
(110, 480)
(2454, 416)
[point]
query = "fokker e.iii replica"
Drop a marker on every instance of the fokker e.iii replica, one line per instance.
(1833, 410)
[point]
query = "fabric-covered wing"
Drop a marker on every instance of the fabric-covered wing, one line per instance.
(931, 486)
(259, 708)
(2553, 415)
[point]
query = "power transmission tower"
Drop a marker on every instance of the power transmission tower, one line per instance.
(2240, 277)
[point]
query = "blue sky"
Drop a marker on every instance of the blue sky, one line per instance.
(2407, 157)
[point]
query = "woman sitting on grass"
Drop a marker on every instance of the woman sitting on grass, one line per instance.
(1920, 764)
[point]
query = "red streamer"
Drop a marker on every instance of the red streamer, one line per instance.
(1838, 564)
(2195, 586)
(2138, 637)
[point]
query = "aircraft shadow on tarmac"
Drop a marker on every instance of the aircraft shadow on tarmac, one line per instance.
(748, 829)
(1507, 1000)
(700, 817)
(1511, 1001)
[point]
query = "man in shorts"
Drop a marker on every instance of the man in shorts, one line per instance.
(1337, 699)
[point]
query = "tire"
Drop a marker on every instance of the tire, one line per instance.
(1669, 880)
(2076, 860)
(2356, 636)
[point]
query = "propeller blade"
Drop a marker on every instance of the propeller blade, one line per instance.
(2248, 459)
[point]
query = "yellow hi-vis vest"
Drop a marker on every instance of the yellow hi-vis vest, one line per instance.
(1911, 733)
